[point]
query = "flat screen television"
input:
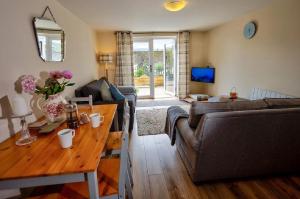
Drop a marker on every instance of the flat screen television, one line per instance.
(206, 75)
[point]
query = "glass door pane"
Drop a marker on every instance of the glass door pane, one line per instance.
(142, 70)
(170, 62)
(164, 66)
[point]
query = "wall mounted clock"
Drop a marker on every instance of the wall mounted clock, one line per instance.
(250, 30)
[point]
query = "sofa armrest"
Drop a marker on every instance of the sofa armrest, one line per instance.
(127, 89)
(188, 133)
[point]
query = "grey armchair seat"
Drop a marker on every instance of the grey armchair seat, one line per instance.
(125, 109)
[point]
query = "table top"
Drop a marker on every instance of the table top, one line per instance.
(45, 157)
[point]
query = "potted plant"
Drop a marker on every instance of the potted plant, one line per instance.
(52, 104)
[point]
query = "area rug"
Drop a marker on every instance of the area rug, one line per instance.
(151, 120)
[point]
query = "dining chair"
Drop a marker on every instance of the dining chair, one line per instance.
(113, 178)
(112, 149)
(113, 145)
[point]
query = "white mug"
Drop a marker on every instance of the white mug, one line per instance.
(96, 119)
(66, 137)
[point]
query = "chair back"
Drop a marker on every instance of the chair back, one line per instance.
(123, 165)
(88, 99)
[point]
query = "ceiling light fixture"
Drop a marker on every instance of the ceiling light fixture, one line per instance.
(175, 5)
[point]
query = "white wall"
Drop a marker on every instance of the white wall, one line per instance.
(106, 43)
(198, 57)
(19, 55)
(270, 60)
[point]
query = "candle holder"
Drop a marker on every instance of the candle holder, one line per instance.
(25, 138)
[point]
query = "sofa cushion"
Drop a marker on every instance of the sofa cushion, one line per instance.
(105, 91)
(282, 103)
(92, 88)
(117, 95)
(198, 109)
(248, 105)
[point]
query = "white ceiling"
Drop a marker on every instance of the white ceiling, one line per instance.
(150, 15)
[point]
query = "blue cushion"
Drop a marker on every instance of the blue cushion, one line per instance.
(117, 95)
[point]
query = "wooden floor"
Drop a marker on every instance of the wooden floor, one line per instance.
(159, 173)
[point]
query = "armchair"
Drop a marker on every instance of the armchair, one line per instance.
(126, 108)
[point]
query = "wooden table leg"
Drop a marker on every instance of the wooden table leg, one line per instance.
(93, 185)
(116, 122)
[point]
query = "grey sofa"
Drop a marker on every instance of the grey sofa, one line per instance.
(240, 139)
(126, 108)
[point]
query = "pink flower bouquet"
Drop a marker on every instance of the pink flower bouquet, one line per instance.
(56, 83)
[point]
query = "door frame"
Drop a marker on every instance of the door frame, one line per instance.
(150, 37)
(175, 70)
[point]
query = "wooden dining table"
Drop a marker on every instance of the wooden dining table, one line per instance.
(44, 162)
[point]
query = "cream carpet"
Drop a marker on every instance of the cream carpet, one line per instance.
(151, 120)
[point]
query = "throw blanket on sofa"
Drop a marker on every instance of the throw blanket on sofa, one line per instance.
(173, 114)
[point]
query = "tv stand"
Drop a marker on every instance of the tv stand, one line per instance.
(199, 97)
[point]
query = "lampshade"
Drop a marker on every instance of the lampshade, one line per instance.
(106, 58)
(175, 5)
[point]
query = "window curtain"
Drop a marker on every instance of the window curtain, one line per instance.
(183, 67)
(124, 67)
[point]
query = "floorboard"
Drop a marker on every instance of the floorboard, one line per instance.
(151, 153)
(158, 187)
(140, 173)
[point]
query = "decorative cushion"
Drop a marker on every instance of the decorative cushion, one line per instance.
(282, 103)
(117, 95)
(105, 91)
(198, 109)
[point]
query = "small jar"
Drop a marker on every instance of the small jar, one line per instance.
(72, 116)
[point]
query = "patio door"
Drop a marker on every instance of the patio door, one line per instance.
(154, 66)
(143, 70)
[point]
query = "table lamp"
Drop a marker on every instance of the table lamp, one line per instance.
(106, 58)
(21, 110)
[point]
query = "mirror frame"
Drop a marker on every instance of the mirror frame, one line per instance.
(37, 39)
